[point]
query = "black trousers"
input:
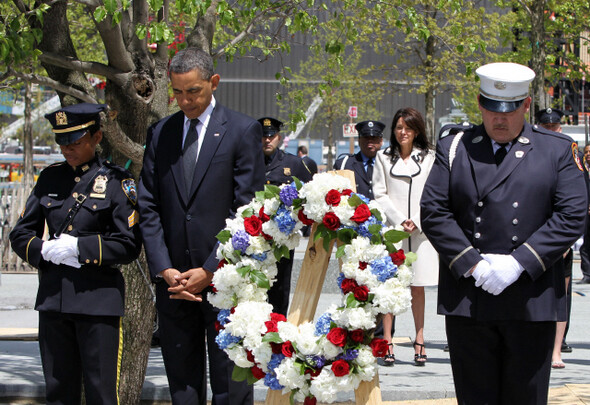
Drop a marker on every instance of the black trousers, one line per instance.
(187, 335)
(278, 295)
(500, 362)
(73, 346)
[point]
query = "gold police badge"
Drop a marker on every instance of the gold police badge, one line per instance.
(287, 171)
(100, 184)
(61, 118)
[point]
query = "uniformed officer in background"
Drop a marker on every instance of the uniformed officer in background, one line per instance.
(370, 142)
(281, 167)
(89, 206)
(502, 203)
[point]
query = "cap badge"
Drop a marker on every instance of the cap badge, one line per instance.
(549, 111)
(477, 139)
(370, 124)
(524, 140)
(266, 122)
(100, 184)
(500, 85)
(61, 118)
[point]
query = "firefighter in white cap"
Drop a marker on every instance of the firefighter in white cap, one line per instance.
(503, 201)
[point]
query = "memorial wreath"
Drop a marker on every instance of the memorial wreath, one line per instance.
(311, 361)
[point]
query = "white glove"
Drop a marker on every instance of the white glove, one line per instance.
(72, 262)
(481, 272)
(504, 270)
(64, 247)
(47, 249)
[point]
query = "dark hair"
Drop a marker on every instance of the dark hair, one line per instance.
(302, 149)
(415, 121)
(190, 59)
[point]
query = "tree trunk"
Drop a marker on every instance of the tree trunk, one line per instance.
(28, 174)
(539, 55)
(430, 95)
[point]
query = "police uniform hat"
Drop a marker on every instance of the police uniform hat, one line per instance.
(71, 123)
(503, 86)
(370, 128)
(270, 126)
(549, 116)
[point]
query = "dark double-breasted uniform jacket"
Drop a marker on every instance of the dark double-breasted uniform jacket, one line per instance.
(531, 206)
(282, 167)
(107, 232)
(364, 184)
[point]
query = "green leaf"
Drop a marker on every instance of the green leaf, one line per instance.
(346, 235)
(240, 373)
(224, 236)
(140, 29)
(117, 17)
(351, 302)
(258, 277)
(340, 251)
(272, 337)
(243, 271)
(100, 13)
(298, 183)
(395, 236)
(274, 190)
(111, 6)
(355, 201)
(248, 212)
(410, 258)
(377, 214)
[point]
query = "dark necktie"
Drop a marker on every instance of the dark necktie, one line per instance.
(189, 153)
(500, 153)
(370, 169)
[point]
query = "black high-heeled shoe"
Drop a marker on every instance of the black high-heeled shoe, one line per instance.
(420, 358)
(389, 358)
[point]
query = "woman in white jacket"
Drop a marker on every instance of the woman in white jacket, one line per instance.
(398, 179)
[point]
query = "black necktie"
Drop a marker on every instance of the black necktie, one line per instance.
(500, 153)
(189, 153)
(370, 169)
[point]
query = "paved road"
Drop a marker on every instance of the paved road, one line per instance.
(21, 375)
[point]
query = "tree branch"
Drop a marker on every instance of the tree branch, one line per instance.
(120, 141)
(118, 77)
(46, 81)
(112, 38)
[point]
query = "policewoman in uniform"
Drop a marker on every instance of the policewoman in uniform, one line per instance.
(362, 163)
(280, 169)
(89, 207)
(503, 201)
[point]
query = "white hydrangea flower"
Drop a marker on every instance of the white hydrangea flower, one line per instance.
(323, 387)
(288, 374)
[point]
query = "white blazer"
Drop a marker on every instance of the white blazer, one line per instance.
(398, 188)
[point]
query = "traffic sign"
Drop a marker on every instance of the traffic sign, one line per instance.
(352, 111)
(349, 131)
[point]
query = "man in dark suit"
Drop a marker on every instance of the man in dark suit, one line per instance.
(502, 203)
(281, 167)
(307, 161)
(370, 141)
(200, 165)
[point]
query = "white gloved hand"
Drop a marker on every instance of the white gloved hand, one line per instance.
(504, 270)
(47, 249)
(481, 272)
(72, 262)
(64, 247)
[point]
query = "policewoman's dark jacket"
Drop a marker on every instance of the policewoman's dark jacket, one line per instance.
(107, 232)
(283, 166)
(532, 206)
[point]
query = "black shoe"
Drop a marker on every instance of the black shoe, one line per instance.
(565, 348)
(584, 280)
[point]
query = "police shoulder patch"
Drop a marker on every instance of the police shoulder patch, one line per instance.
(576, 157)
(128, 186)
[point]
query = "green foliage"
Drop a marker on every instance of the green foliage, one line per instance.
(17, 38)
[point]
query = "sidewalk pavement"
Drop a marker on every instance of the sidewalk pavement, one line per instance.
(21, 377)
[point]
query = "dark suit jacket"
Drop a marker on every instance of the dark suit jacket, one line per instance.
(311, 164)
(179, 229)
(532, 206)
(364, 184)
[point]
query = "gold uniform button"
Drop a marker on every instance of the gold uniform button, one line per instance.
(49, 204)
(87, 260)
(77, 179)
(75, 195)
(94, 207)
(95, 261)
(70, 227)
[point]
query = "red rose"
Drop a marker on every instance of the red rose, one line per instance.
(331, 221)
(271, 326)
(361, 292)
(257, 372)
(303, 218)
(357, 335)
(276, 348)
(333, 197)
(250, 356)
(288, 350)
(310, 401)
(312, 372)
(253, 225)
(213, 289)
(379, 347)
(337, 336)
(265, 236)
(361, 214)
(347, 192)
(218, 326)
(363, 265)
(221, 263)
(277, 317)
(348, 285)
(340, 368)
(398, 257)
(263, 217)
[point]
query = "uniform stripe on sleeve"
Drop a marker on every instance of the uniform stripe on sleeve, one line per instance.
(27, 251)
(529, 247)
(119, 356)
(459, 255)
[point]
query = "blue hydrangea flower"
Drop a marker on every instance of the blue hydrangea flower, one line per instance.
(225, 339)
(322, 326)
(240, 241)
(260, 256)
(272, 382)
(383, 268)
(284, 220)
(363, 198)
(288, 194)
(363, 228)
(349, 355)
(340, 279)
(319, 361)
(275, 361)
(223, 315)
